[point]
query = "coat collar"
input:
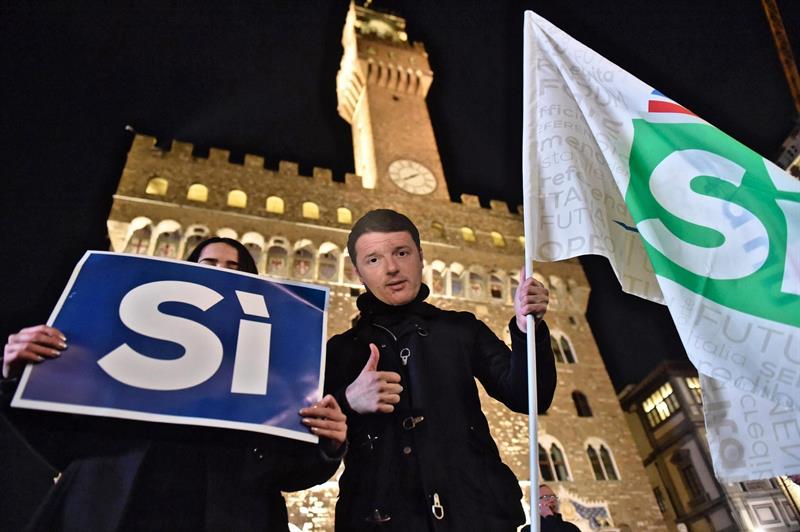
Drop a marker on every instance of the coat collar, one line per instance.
(373, 308)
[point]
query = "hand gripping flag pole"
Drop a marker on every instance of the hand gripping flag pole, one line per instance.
(528, 213)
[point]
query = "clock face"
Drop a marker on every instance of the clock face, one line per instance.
(412, 177)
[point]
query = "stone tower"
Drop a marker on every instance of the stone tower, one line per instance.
(381, 88)
(296, 227)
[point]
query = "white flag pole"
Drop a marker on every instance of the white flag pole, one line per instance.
(527, 216)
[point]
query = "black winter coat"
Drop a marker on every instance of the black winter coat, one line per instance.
(124, 475)
(555, 523)
(432, 464)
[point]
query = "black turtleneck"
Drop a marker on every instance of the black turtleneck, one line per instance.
(373, 309)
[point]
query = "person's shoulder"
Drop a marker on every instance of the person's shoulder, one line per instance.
(451, 316)
(341, 339)
(458, 319)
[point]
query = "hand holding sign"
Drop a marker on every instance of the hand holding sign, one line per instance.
(326, 420)
(31, 344)
(373, 390)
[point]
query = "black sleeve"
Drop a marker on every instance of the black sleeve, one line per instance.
(296, 465)
(342, 368)
(56, 438)
(504, 372)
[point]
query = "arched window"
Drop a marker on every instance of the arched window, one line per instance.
(328, 262)
(559, 464)
(254, 243)
(566, 348)
(437, 278)
(237, 198)
(457, 275)
(139, 232)
(498, 240)
(467, 234)
(303, 260)
(344, 216)
(599, 474)
(496, 285)
(277, 257)
(274, 205)
(197, 192)
(303, 263)
(581, 404)
(310, 210)
(477, 286)
(601, 460)
(545, 466)
(556, 349)
(168, 239)
(608, 463)
(551, 453)
(562, 348)
(521, 240)
(157, 186)
(194, 235)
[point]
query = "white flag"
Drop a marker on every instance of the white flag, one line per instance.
(687, 216)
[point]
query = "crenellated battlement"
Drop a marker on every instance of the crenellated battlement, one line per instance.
(146, 155)
(145, 146)
(253, 161)
(182, 149)
(471, 200)
(396, 77)
(219, 155)
(176, 174)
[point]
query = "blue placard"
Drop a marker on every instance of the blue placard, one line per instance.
(163, 340)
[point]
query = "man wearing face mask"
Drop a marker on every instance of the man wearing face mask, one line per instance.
(421, 456)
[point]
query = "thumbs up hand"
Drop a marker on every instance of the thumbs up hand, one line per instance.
(373, 390)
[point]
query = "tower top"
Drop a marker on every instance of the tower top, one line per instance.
(381, 87)
(380, 25)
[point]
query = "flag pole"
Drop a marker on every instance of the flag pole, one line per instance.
(527, 217)
(532, 412)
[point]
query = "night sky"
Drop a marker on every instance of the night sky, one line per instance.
(259, 77)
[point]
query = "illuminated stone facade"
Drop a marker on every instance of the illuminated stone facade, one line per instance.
(296, 227)
(665, 413)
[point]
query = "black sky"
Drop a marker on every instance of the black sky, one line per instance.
(259, 77)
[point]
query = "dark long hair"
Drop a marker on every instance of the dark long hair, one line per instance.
(246, 262)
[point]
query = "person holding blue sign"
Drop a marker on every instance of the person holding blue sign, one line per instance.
(125, 475)
(421, 455)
